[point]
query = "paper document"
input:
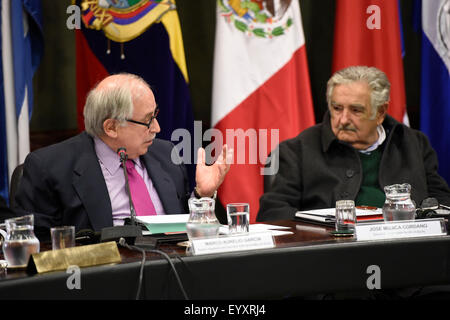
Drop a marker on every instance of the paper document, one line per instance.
(275, 230)
(177, 223)
(329, 214)
(164, 218)
(315, 217)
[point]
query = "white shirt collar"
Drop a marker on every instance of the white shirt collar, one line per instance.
(381, 138)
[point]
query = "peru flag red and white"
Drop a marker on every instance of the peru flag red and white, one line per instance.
(261, 85)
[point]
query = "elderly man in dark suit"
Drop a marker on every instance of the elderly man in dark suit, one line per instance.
(355, 152)
(80, 181)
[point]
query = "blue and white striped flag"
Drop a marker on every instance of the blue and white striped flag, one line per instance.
(435, 84)
(21, 52)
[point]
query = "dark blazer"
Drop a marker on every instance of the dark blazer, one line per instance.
(316, 170)
(5, 211)
(63, 184)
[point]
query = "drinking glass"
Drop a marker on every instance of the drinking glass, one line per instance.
(345, 216)
(238, 217)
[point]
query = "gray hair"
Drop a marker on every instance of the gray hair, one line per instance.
(109, 103)
(375, 78)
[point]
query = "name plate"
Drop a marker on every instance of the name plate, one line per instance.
(231, 243)
(401, 229)
(81, 256)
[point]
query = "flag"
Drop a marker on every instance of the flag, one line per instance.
(21, 50)
(260, 87)
(435, 80)
(141, 37)
(368, 32)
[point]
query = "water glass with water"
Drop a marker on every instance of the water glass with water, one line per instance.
(63, 237)
(238, 215)
(345, 216)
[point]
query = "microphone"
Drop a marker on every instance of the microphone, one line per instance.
(87, 236)
(431, 208)
(122, 152)
(129, 233)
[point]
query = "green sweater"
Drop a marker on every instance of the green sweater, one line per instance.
(370, 193)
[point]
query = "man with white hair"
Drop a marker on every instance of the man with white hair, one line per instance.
(80, 181)
(353, 154)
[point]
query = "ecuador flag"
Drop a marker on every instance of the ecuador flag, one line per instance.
(141, 37)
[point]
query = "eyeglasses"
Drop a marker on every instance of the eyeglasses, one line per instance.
(155, 114)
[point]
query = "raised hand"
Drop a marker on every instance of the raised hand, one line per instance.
(209, 178)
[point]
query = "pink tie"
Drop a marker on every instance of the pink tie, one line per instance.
(141, 199)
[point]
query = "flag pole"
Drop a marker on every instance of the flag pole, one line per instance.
(8, 80)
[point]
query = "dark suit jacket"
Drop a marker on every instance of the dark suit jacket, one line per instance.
(63, 184)
(5, 211)
(316, 170)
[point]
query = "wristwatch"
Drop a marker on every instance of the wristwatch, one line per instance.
(196, 194)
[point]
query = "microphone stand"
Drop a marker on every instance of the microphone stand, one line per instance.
(123, 159)
(128, 232)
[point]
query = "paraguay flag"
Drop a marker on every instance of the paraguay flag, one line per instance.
(141, 37)
(435, 84)
(21, 52)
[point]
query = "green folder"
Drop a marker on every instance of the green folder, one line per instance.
(165, 227)
(164, 223)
